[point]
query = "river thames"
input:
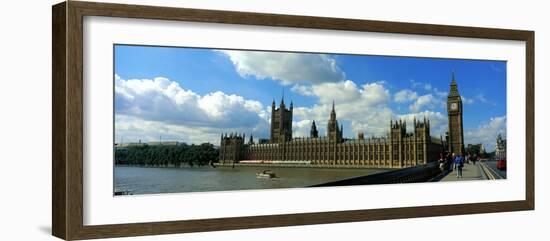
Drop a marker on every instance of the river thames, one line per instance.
(154, 180)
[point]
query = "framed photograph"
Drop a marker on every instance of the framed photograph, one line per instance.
(171, 120)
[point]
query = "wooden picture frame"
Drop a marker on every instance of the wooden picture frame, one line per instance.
(67, 124)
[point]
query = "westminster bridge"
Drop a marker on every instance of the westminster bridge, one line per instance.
(431, 172)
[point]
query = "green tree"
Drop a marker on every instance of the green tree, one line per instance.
(160, 155)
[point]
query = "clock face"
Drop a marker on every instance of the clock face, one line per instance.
(454, 106)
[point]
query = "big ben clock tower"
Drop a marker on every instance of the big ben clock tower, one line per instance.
(454, 112)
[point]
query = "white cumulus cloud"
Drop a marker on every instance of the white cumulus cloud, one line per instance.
(301, 128)
(366, 106)
(487, 133)
(160, 101)
(405, 95)
(289, 68)
(481, 97)
(428, 87)
(427, 101)
(304, 90)
(467, 101)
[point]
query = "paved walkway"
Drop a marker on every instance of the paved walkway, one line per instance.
(469, 172)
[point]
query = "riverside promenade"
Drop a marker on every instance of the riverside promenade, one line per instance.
(469, 172)
(479, 171)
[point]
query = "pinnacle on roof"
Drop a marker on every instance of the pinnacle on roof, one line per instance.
(453, 81)
(454, 87)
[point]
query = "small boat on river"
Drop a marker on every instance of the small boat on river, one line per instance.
(266, 174)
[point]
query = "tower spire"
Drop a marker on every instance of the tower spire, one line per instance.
(454, 86)
(453, 82)
(283, 97)
(313, 132)
(282, 104)
(333, 112)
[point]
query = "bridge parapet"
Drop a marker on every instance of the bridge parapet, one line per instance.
(420, 173)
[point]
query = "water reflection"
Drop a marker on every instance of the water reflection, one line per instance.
(150, 180)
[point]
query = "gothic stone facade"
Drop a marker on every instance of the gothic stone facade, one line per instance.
(396, 150)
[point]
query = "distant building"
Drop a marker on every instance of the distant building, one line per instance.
(500, 147)
(129, 144)
(163, 143)
(396, 150)
(399, 149)
(152, 143)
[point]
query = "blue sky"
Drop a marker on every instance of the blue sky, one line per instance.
(193, 94)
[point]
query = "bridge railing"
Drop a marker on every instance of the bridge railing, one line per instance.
(420, 173)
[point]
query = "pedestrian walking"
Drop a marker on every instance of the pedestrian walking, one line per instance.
(459, 164)
(441, 162)
(450, 161)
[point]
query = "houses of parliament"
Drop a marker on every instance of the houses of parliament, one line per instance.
(396, 150)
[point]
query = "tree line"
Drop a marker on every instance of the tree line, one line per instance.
(164, 155)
